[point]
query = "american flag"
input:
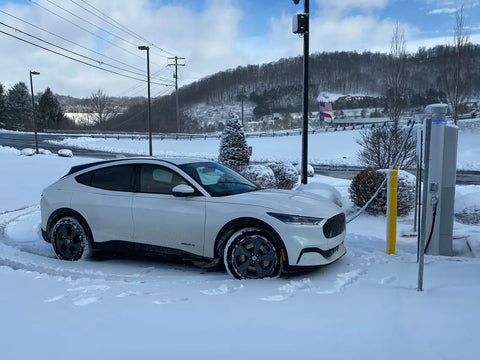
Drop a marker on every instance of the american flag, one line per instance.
(324, 107)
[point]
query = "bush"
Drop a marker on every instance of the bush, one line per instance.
(233, 146)
(366, 183)
(286, 175)
(261, 175)
(310, 170)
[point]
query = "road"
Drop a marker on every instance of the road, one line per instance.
(27, 140)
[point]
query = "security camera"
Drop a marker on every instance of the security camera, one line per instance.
(296, 2)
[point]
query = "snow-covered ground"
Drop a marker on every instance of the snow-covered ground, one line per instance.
(365, 306)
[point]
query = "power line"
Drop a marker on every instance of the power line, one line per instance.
(122, 27)
(90, 23)
(69, 51)
(84, 29)
(77, 60)
(72, 42)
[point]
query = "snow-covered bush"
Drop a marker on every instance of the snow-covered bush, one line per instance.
(261, 175)
(233, 146)
(285, 173)
(467, 208)
(310, 170)
(366, 183)
(65, 153)
(28, 152)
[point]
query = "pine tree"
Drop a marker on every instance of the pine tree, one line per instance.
(50, 111)
(19, 107)
(233, 146)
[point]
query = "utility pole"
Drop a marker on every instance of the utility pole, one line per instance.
(301, 26)
(176, 64)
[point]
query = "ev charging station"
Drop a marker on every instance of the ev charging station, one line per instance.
(440, 163)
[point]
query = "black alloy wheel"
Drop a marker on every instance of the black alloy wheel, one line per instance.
(69, 239)
(251, 254)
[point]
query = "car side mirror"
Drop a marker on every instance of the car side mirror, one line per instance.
(183, 190)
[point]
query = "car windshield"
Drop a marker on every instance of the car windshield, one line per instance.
(217, 179)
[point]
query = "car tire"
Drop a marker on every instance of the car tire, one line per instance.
(70, 239)
(251, 253)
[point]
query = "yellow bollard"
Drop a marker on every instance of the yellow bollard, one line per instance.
(392, 210)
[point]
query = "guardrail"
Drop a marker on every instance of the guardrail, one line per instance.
(338, 126)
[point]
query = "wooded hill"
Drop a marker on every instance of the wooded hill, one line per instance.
(277, 87)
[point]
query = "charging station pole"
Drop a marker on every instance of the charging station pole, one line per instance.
(438, 197)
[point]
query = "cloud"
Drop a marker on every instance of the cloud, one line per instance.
(209, 37)
(443, 11)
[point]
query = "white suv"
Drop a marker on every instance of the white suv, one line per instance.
(192, 209)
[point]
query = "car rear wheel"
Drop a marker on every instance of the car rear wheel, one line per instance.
(69, 239)
(251, 253)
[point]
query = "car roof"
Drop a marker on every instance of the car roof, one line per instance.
(138, 159)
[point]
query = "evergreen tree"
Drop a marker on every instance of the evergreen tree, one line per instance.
(50, 112)
(19, 107)
(233, 146)
(3, 107)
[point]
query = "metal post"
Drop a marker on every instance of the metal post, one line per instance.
(423, 223)
(305, 95)
(392, 210)
(243, 95)
(33, 108)
(149, 105)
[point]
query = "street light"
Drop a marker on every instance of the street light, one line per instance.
(33, 107)
(301, 26)
(149, 114)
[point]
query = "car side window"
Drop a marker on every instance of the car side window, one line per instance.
(115, 178)
(158, 179)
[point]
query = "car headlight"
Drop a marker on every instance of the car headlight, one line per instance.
(296, 219)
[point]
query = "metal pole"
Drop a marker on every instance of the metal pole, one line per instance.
(33, 108)
(243, 94)
(423, 224)
(305, 95)
(149, 103)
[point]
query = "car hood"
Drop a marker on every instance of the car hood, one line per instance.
(286, 201)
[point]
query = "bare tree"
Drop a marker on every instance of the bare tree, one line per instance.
(381, 148)
(101, 108)
(457, 71)
(397, 76)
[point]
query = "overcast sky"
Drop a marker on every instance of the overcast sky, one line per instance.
(211, 35)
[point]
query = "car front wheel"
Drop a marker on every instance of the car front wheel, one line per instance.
(69, 239)
(251, 253)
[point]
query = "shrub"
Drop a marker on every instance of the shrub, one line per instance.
(310, 170)
(286, 175)
(261, 175)
(366, 183)
(233, 146)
